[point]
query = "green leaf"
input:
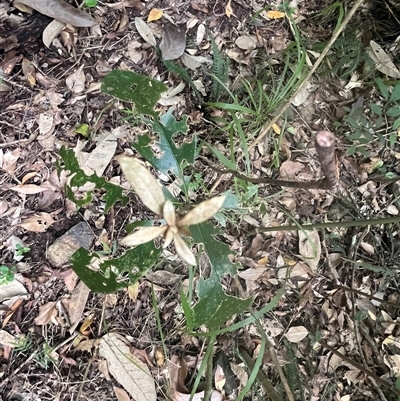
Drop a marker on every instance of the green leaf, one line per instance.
(118, 273)
(376, 109)
(214, 307)
(222, 158)
(396, 124)
(171, 156)
(395, 95)
(393, 111)
(382, 88)
(132, 87)
(79, 178)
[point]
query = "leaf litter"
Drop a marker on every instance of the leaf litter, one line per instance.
(57, 92)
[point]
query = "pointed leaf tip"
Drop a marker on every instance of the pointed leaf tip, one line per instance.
(143, 183)
(203, 211)
(143, 235)
(184, 251)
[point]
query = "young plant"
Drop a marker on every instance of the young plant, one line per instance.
(6, 274)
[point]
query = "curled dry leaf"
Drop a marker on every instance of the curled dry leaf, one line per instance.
(38, 223)
(61, 11)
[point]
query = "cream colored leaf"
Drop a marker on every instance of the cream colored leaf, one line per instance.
(28, 189)
(296, 334)
(128, 370)
(143, 235)
(169, 236)
(121, 394)
(202, 212)
(144, 184)
(38, 223)
(310, 248)
(77, 304)
(183, 251)
(52, 31)
(383, 63)
(7, 339)
(46, 312)
(169, 213)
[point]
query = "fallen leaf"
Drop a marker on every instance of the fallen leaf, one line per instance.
(275, 14)
(128, 370)
(154, 15)
(228, 9)
(7, 339)
(46, 312)
(296, 334)
(51, 32)
(121, 394)
(173, 42)
(246, 42)
(29, 72)
(13, 290)
(28, 189)
(10, 160)
(383, 62)
(62, 11)
(77, 304)
(76, 81)
(38, 223)
(145, 32)
(310, 248)
(219, 378)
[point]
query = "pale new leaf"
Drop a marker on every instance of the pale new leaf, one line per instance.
(203, 211)
(183, 251)
(143, 235)
(144, 184)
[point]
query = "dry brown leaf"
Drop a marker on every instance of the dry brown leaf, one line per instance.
(200, 5)
(219, 378)
(121, 394)
(129, 371)
(133, 291)
(10, 160)
(289, 170)
(296, 334)
(246, 42)
(310, 248)
(62, 11)
(76, 81)
(154, 14)
(77, 304)
(38, 223)
(46, 312)
(29, 72)
(51, 32)
(28, 189)
(275, 14)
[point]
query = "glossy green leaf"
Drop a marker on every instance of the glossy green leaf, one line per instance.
(129, 86)
(215, 307)
(70, 163)
(118, 273)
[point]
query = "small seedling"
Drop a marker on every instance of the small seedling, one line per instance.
(6, 274)
(21, 250)
(90, 3)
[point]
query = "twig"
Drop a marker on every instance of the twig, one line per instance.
(301, 86)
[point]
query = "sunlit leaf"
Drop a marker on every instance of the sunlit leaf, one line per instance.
(203, 211)
(183, 251)
(275, 14)
(154, 15)
(144, 184)
(143, 235)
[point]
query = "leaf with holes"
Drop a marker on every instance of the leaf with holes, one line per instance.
(215, 307)
(108, 276)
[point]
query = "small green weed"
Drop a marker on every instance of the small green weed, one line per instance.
(21, 250)
(6, 274)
